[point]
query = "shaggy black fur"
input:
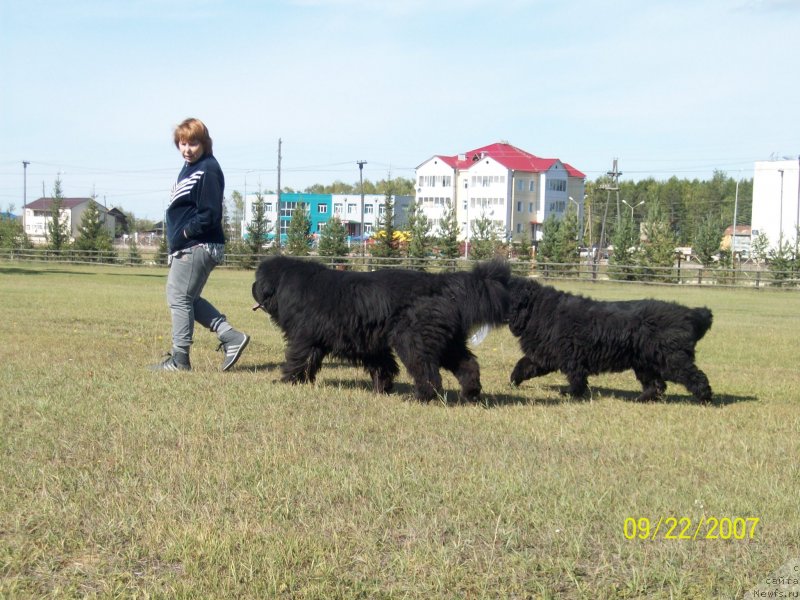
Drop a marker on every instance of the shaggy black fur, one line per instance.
(362, 317)
(578, 336)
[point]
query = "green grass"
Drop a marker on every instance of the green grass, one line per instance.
(117, 482)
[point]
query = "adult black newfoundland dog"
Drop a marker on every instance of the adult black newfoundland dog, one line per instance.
(578, 336)
(363, 316)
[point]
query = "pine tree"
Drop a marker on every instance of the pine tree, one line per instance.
(385, 242)
(57, 228)
(658, 251)
(93, 238)
(569, 250)
(484, 238)
(333, 239)
(759, 247)
(622, 260)
(707, 240)
(162, 249)
(134, 256)
(449, 231)
(12, 235)
(420, 241)
(298, 238)
(547, 252)
(257, 229)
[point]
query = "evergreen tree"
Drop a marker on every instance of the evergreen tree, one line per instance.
(568, 248)
(93, 238)
(385, 239)
(12, 235)
(162, 249)
(559, 242)
(449, 230)
(57, 226)
(298, 238)
(420, 241)
(707, 240)
(258, 228)
(333, 239)
(759, 247)
(134, 257)
(622, 260)
(782, 261)
(658, 251)
(548, 245)
(484, 238)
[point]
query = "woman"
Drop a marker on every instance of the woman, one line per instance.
(196, 245)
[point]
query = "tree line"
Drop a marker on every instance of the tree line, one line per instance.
(643, 222)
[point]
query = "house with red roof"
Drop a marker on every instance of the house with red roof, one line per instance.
(37, 214)
(515, 189)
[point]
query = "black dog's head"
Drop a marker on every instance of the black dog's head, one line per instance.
(521, 291)
(264, 289)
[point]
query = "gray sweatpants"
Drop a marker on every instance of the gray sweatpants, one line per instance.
(187, 276)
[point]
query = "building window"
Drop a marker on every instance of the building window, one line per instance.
(322, 209)
(519, 206)
(520, 185)
(369, 209)
(337, 208)
(557, 185)
(530, 189)
(351, 209)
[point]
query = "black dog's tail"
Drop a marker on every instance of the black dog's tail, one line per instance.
(487, 300)
(701, 319)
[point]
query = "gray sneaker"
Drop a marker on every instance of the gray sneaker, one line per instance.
(233, 343)
(173, 361)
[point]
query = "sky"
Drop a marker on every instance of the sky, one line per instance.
(91, 90)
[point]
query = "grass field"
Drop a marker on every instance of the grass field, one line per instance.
(117, 482)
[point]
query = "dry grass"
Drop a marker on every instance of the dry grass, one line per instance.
(118, 482)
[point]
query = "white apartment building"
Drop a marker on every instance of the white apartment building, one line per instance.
(516, 190)
(776, 200)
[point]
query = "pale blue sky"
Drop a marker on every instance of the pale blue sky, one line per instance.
(91, 89)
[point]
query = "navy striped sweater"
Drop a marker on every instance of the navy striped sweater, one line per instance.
(194, 215)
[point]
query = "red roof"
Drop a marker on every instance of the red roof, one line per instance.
(509, 156)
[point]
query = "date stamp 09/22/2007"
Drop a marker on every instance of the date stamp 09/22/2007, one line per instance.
(684, 528)
(784, 582)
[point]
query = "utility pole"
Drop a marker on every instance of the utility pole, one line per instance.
(614, 173)
(611, 187)
(361, 164)
(780, 222)
(733, 231)
(278, 220)
(25, 164)
(797, 217)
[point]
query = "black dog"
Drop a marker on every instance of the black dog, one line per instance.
(362, 317)
(578, 336)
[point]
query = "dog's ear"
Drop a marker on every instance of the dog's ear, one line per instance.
(262, 290)
(518, 313)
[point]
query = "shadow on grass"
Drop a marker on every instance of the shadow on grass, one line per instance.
(51, 271)
(21, 271)
(672, 397)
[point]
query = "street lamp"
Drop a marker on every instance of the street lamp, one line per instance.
(580, 217)
(625, 202)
